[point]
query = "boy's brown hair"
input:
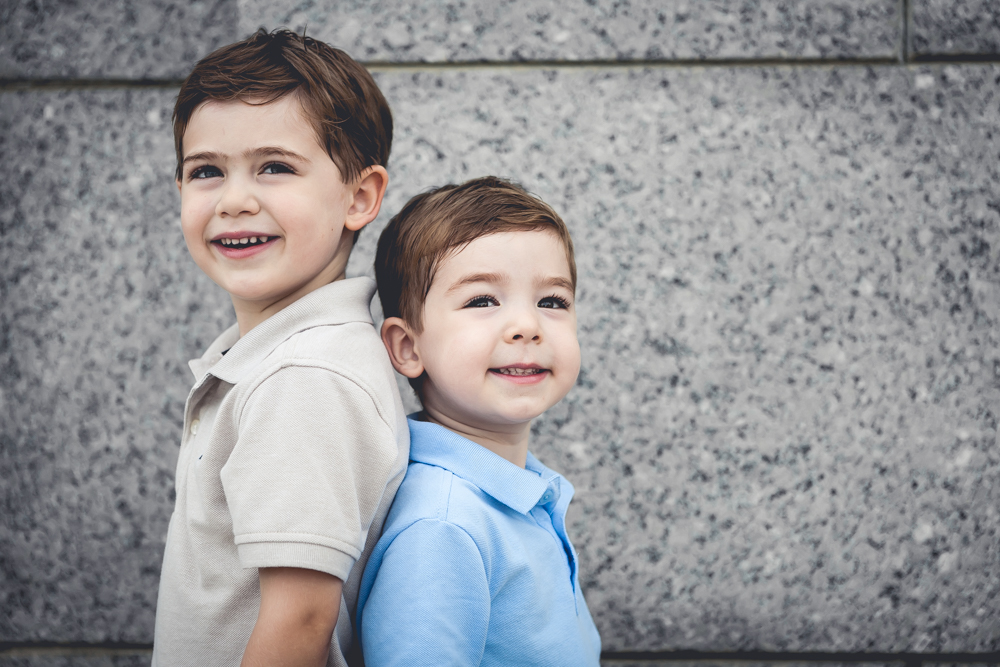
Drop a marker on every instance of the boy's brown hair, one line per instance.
(338, 96)
(443, 220)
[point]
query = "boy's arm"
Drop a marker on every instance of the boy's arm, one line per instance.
(302, 484)
(298, 613)
(430, 603)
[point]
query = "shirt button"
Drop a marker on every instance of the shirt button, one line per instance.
(194, 427)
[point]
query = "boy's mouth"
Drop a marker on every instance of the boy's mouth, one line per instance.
(519, 371)
(243, 242)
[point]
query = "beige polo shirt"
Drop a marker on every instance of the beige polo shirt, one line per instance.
(294, 444)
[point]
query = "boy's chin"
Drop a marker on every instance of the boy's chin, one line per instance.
(511, 419)
(487, 415)
(493, 421)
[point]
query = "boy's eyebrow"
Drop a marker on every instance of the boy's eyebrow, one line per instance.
(555, 281)
(503, 278)
(263, 151)
(497, 278)
(207, 156)
(273, 151)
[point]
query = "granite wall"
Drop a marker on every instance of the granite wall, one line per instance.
(788, 230)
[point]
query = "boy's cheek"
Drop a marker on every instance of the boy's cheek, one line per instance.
(194, 250)
(573, 360)
(186, 229)
(193, 238)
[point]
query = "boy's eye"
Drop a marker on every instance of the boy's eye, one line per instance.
(553, 302)
(206, 171)
(276, 168)
(484, 301)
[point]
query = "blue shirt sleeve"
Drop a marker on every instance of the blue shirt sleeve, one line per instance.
(430, 602)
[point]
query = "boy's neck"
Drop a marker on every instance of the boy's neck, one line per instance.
(251, 313)
(511, 445)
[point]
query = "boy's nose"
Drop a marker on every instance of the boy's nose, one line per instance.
(237, 198)
(524, 327)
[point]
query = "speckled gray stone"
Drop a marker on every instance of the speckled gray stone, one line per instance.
(946, 27)
(516, 30)
(109, 39)
(101, 309)
(784, 436)
(76, 658)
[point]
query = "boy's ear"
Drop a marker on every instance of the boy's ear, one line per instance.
(368, 192)
(401, 345)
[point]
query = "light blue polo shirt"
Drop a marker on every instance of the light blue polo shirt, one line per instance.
(474, 566)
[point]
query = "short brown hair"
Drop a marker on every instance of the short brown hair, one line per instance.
(434, 223)
(338, 96)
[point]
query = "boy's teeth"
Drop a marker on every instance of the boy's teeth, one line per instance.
(519, 371)
(250, 240)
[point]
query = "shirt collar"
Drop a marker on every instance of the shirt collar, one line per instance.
(339, 302)
(518, 488)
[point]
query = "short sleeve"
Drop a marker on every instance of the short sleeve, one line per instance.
(312, 459)
(430, 601)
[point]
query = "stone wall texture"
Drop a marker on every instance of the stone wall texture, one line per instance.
(967, 29)
(787, 221)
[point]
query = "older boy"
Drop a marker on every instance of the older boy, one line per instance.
(294, 436)
(474, 566)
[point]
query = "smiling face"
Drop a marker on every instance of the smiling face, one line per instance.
(264, 210)
(499, 339)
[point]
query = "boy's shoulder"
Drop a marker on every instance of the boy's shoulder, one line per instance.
(351, 348)
(330, 328)
(332, 323)
(321, 350)
(433, 493)
(437, 510)
(465, 485)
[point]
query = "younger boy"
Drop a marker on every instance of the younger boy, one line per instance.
(294, 436)
(474, 566)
